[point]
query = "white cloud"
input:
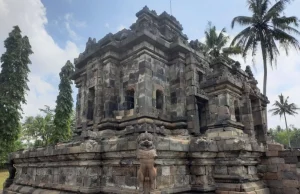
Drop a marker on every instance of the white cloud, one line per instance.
(72, 34)
(77, 23)
(48, 57)
(107, 25)
(70, 22)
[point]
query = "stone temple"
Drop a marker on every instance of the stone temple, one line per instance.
(148, 89)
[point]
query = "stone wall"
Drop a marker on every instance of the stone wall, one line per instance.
(280, 169)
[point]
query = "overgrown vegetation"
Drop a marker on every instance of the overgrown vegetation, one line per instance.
(215, 43)
(283, 108)
(64, 105)
(13, 87)
(282, 136)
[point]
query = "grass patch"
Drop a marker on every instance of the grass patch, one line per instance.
(3, 176)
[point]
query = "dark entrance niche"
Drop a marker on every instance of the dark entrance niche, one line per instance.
(257, 120)
(199, 76)
(202, 116)
(91, 104)
(237, 111)
(129, 98)
(159, 99)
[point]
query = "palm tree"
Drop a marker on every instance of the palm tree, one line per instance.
(215, 43)
(283, 108)
(266, 27)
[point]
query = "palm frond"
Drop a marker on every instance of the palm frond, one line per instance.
(242, 20)
(275, 10)
(222, 39)
(285, 40)
(288, 29)
(271, 48)
(232, 50)
(283, 107)
(252, 5)
(278, 21)
(264, 6)
(242, 34)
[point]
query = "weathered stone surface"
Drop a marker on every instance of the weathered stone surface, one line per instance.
(205, 117)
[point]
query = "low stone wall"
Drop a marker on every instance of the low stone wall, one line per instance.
(279, 169)
(106, 166)
(225, 161)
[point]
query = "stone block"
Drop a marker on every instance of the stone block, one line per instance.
(208, 170)
(272, 153)
(272, 168)
(230, 187)
(290, 183)
(197, 170)
(181, 170)
(275, 160)
(276, 191)
(237, 144)
(177, 145)
(181, 180)
(291, 160)
(271, 176)
(290, 191)
(289, 175)
(275, 184)
(165, 170)
(222, 192)
(201, 144)
(237, 170)
(263, 191)
(262, 168)
(201, 180)
(252, 170)
(274, 147)
(163, 144)
(221, 170)
(162, 182)
(132, 145)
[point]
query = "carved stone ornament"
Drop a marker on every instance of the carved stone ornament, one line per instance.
(146, 153)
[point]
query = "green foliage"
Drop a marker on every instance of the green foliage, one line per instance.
(215, 43)
(282, 136)
(16, 145)
(73, 120)
(266, 27)
(64, 106)
(13, 87)
(38, 130)
(282, 107)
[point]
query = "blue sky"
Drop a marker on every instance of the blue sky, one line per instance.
(101, 17)
(58, 31)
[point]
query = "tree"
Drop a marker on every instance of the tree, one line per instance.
(38, 129)
(73, 120)
(266, 27)
(64, 106)
(13, 87)
(282, 107)
(215, 43)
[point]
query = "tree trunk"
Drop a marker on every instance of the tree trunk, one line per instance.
(263, 50)
(288, 131)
